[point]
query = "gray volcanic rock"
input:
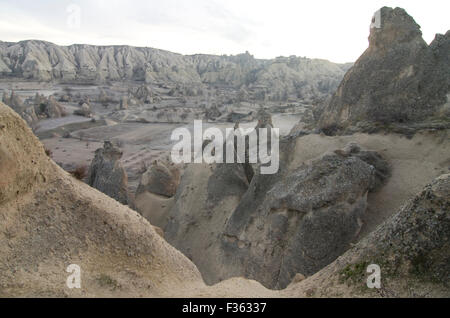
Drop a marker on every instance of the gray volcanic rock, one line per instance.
(205, 199)
(411, 248)
(107, 174)
(299, 223)
(159, 180)
(278, 225)
(418, 236)
(275, 79)
(398, 79)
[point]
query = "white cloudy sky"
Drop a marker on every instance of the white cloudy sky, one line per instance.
(334, 30)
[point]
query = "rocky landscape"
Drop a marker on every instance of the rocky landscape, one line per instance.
(363, 179)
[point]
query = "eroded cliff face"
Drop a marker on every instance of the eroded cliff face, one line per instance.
(50, 220)
(398, 79)
(44, 61)
(297, 221)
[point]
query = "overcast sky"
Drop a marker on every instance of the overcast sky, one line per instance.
(334, 30)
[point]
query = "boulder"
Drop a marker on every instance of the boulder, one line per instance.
(159, 180)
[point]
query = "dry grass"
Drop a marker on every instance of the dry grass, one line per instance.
(80, 172)
(48, 152)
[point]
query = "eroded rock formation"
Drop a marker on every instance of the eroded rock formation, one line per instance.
(27, 112)
(107, 174)
(158, 179)
(51, 220)
(44, 61)
(297, 221)
(399, 79)
(48, 107)
(411, 249)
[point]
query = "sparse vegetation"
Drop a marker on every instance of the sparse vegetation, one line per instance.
(107, 281)
(48, 152)
(80, 172)
(354, 273)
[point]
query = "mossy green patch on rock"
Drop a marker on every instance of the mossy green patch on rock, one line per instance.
(107, 281)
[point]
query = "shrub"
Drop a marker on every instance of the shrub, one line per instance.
(80, 172)
(48, 152)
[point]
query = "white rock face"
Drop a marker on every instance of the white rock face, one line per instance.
(44, 61)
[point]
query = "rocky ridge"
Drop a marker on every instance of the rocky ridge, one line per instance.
(275, 79)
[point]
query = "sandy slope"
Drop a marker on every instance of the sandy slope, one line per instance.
(50, 220)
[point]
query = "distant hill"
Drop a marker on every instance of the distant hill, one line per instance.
(43, 61)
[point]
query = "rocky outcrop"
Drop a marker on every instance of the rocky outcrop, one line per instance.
(48, 107)
(417, 238)
(44, 61)
(398, 80)
(205, 199)
(107, 174)
(411, 249)
(297, 221)
(27, 112)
